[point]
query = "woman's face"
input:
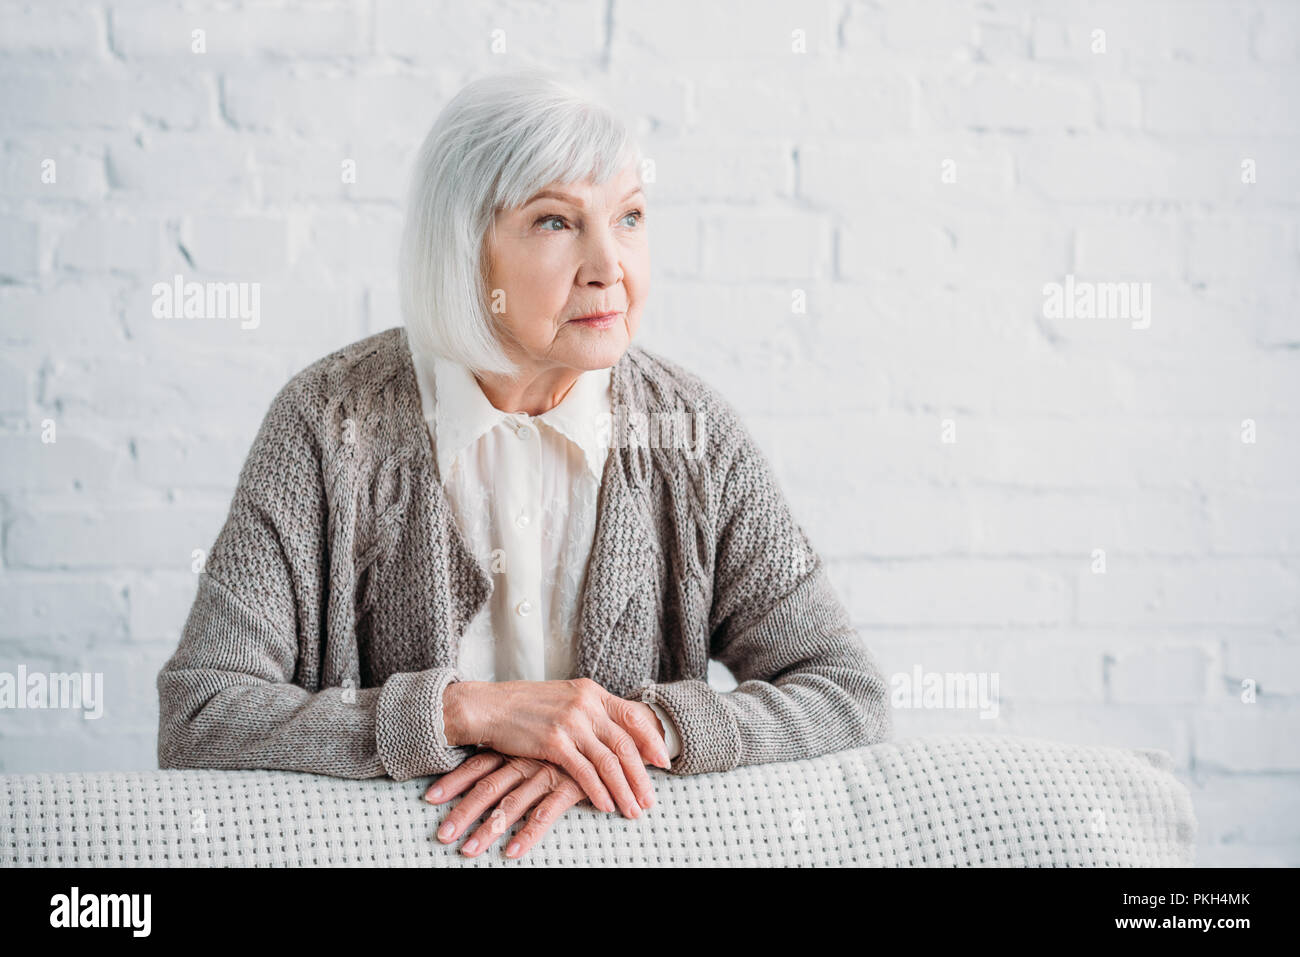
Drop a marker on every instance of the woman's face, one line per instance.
(571, 250)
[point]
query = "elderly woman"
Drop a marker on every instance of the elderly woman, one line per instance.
(501, 544)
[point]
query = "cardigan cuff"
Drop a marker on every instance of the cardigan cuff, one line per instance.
(409, 732)
(672, 740)
(710, 737)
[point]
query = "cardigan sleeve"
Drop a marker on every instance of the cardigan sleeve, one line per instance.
(235, 693)
(807, 685)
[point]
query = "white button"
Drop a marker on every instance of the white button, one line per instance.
(522, 521)
(525, 431)
(524, 607)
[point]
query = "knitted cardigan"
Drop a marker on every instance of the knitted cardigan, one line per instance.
(328, 612)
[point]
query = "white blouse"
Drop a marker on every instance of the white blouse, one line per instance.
(524, 490)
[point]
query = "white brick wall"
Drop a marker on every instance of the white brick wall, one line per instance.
(777, 171)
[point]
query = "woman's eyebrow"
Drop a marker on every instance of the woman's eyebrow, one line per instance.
(573, 200)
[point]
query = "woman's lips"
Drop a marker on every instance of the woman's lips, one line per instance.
(603, 321)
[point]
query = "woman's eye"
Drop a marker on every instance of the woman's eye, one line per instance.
(555, 217)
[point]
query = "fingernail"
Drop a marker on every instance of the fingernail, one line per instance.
(434, 795)
(607, 807)
(646, 802)
(445, 832)
(513, 849)
(471, 845)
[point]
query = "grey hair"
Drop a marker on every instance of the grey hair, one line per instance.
(498, 141)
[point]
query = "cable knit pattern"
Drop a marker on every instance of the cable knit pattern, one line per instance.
(330, 609)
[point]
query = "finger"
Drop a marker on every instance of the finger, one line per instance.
(512, 807)
(610, 769)
(544, 815)
(483, 795)
(624, 748)
(458, 779)
(572, 760)
(645, 731)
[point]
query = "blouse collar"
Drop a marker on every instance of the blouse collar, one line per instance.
(460, 413)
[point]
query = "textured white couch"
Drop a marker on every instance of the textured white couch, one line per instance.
(945, 800)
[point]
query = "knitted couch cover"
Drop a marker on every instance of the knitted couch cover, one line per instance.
(935, 800)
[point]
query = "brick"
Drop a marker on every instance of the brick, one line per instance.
(1000, 245)
(78, 171)
(763, 33)
(1219, 798)
(110, 245)
(928, 29)
(1272, 663)
(1141, 592)
(299, 318)
(190, 460)
(677, 240)
(1130, 248)
(1270, 462)
(766, 247)
(1014, 99)
(136, 386)
(846, 518)
(14, 396)
(159, 606)
(71, 748)
(1184, 324)
(952, 591)
(1247, 738)
(80, 312)
(122, 536)
(53, 28)
(1248, 855)
(1241, 103)
(572, 32)
(663, 101)
(231, 37)
(1105, 725)
(727, 171)
(892, 248)
(1240, 250)
(43, 607)
(1105, 453)
(1047, 668)
(199, 169)
(246, 248)
(71, 463)
(1158, 674)
(108, 98)
(1275, 32)
(1074, 523)
(349, 242)
(331, 109)
(865, 175)
(20, 250)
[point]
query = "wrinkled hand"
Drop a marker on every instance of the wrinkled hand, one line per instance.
(600, 740)
(513, 785)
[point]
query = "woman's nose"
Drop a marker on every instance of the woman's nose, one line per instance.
(601, 263)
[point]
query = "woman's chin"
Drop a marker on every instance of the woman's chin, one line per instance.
(598, 349)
